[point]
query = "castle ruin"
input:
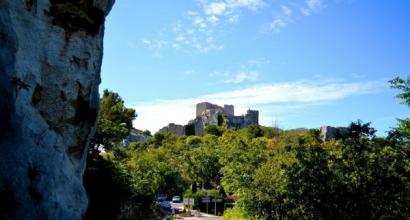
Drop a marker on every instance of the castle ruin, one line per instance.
(211, 114)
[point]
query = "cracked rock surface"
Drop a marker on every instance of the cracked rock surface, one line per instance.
(50, 60)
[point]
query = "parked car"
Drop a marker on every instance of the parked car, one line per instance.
(164, 204)
(176, 199)
(161, 197)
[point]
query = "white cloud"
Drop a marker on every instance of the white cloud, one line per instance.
(277, 24)
(311, 7)
(286, 10)
(146, 41)
(269, 99)
(198, 30)
(243, 76)
(249, 4)
(180, 38)
(215, 8)
(214, 18)
(314, 4)
(233, 19)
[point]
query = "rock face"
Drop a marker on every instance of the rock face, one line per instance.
(50, 59)
(327, 132)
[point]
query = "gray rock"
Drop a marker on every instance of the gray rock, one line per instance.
(50, 60)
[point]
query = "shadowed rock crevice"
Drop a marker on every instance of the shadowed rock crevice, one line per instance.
(31, 4)
(8, 203)
(84, 113)
(36, 97)
(8, 49)
(77, 15)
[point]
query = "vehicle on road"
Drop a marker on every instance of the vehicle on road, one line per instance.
(164, 204)
(176, 199)
(162, 197)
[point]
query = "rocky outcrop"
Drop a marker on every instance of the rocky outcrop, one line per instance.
(50, 59)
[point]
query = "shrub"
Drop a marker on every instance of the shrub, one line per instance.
(235, 214)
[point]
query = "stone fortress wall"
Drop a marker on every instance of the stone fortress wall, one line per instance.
(202, 107)
(210, 114)
(177, 130)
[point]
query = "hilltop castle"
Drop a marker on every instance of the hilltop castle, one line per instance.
(211, 114)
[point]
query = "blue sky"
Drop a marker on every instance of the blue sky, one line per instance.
(301, 63)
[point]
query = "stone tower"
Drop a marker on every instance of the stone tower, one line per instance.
(229, 110)
(251, 117)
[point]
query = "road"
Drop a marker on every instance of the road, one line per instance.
(202, 216)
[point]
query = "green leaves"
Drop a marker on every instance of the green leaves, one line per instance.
(272, 174)
(404, 86)
(114, 121)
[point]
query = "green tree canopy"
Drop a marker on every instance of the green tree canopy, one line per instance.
(114, 121)
(404, 86)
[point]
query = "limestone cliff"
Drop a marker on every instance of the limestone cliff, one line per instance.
(50, 59)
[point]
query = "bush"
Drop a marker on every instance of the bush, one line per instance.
(214, 130)
(235, 214)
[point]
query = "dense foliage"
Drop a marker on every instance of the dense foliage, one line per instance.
(269, 173)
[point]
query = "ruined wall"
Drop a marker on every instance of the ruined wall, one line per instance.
(50, 59)
(229, 110)
(198, 126)
(135, 136)
(174, 129)
(251, 117)
(328, 133)
(202, 107)
(208, 113)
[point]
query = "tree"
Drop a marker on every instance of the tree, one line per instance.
(214, 130)
(404, 86)
(239, 157)
(356, 178)
(358, 129)
(112, 108)
(205, 165)
(106, 179)
(402, 132)
(255, 131)
(114, 121)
